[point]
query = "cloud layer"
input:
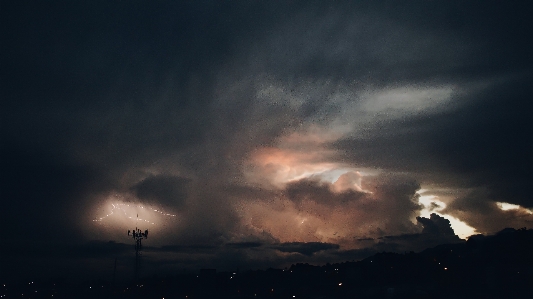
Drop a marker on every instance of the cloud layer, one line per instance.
(263, 132)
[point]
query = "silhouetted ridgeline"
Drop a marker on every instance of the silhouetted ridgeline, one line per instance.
(499, 266)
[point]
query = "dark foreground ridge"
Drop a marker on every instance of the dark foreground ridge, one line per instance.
(499, 266)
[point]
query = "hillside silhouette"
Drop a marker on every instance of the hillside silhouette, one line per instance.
(497, 266)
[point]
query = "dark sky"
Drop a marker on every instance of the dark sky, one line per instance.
(254, 134)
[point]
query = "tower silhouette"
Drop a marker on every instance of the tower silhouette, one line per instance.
(138, 236)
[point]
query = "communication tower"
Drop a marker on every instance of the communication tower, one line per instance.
(138, 236)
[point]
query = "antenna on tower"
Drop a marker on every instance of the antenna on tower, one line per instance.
(138, 235)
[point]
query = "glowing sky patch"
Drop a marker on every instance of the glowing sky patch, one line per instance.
(432, 204)
(507, 206)
(131, 211)
(282, 166)
(117, 215)
(297, 156)
(504, 206)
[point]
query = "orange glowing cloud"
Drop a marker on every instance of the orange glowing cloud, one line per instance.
(279, 166)
(296, 156)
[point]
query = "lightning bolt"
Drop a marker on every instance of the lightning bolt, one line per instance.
(120, 208)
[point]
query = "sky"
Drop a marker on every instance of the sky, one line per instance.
(256, 134)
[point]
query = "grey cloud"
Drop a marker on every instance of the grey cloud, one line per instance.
(436, 230)
(98, 97)
(482, 142)
(433, 206)
(197, 249)
(357, 43)
(37, 190)
(163, 189)
(436, 225)
(388, 205)
(307, 248)
(322, 193)
(244, 245)
(479, 209)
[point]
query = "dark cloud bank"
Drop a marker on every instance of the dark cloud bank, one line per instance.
(165, 103)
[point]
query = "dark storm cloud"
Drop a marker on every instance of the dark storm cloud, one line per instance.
(384, 43)
(480, 209)
(116, 87)
(163, 189)
(119, 83)
(316, 211)
(491, 143)
(434, 206)
(311, 190)
(436, 230)
(483, 143)
(37, 192)
(167, 101)
(242, 245)
(308, 248)
(436, 225)
(199, 249)
(482, 140)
